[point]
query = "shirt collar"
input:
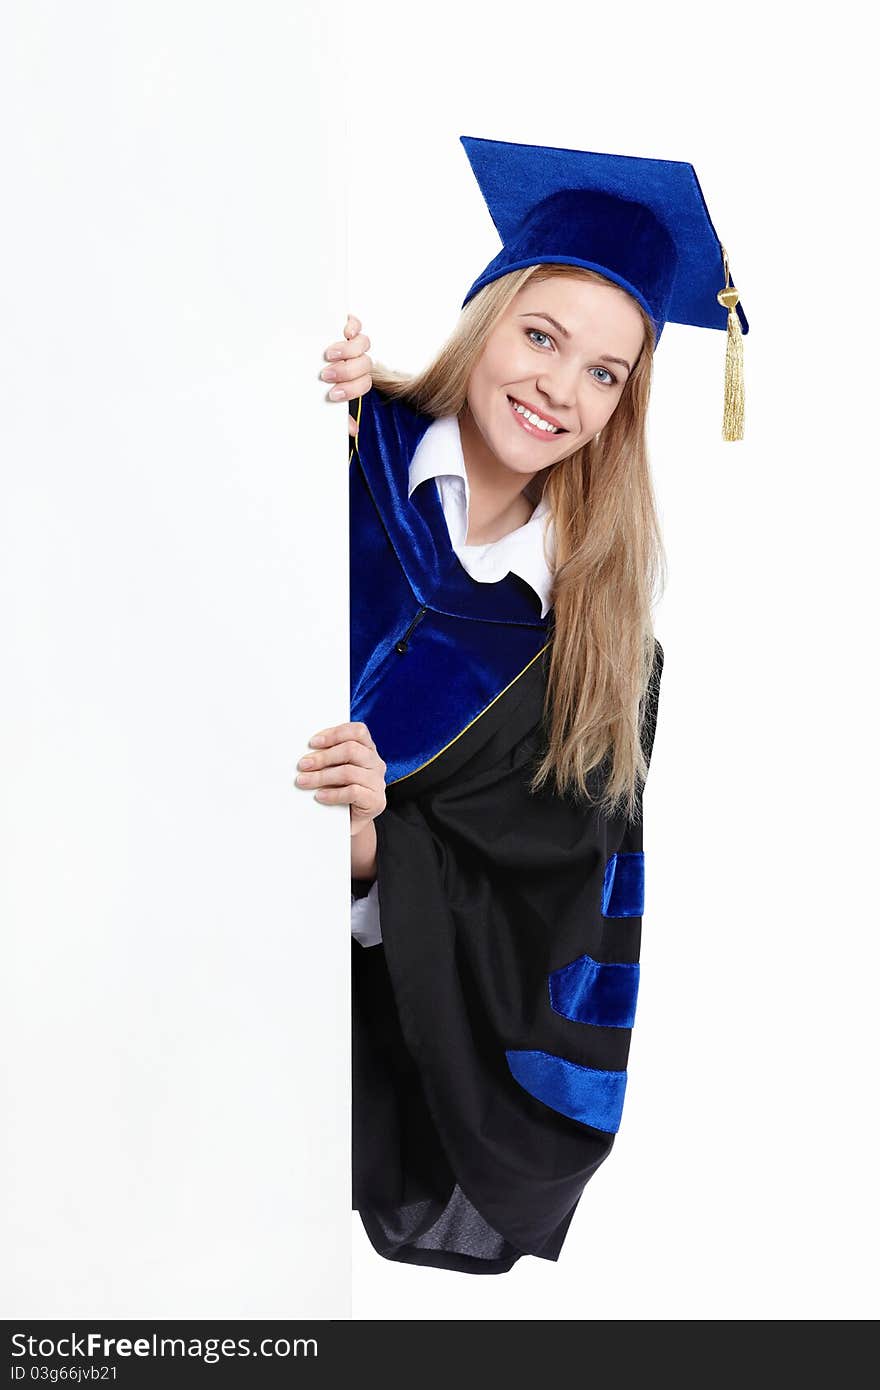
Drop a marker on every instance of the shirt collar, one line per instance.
(439, 455)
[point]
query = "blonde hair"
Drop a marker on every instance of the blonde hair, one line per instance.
(610, 562)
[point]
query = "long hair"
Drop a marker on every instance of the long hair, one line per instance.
(610, 562)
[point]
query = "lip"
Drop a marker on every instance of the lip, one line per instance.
(551, 419)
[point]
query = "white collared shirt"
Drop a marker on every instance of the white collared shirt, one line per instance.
(439, 456)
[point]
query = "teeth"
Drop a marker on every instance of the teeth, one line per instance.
(535, 419)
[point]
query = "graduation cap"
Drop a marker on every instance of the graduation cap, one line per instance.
(642, 223)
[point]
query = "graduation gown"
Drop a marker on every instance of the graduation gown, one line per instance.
(491, 1028)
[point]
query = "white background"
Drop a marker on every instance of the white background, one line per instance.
(741, 1183)
(175, 1009)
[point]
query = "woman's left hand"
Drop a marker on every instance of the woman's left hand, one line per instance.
(345, 765)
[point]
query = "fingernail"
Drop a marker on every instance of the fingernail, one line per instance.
(328, 374)
(306, 762)
(337, 393)
(321, 796)
(317, 740)
(334, 355)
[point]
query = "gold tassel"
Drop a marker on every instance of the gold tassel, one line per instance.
(734, 380)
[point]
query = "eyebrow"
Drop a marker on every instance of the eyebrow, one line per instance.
(539, 314)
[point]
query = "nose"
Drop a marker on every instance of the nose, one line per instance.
(559, 386)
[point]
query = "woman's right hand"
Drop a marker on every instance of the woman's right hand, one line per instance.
(350, 371)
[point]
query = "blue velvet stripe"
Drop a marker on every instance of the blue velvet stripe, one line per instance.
(623, 892)
(585, 1094)
(592, 991)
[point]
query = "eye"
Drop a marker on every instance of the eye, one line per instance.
(612, 380)
(532, 333)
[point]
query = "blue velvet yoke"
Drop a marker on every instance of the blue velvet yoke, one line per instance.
(431, 647)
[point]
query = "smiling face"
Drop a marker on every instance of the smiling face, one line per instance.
(562, 350)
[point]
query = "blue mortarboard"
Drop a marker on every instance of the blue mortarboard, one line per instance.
(642, 223)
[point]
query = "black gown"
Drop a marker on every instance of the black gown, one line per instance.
(491, 1028)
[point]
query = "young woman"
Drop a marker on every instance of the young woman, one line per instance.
(505, 555)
